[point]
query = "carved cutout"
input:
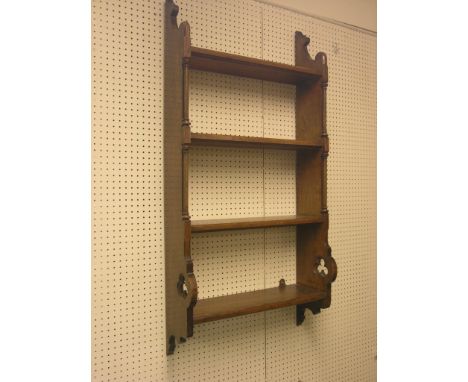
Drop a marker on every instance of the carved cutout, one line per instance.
(303, 57)
(182, 287)
(331, 266)
(321, 267)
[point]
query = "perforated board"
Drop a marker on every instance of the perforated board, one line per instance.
(128, 239)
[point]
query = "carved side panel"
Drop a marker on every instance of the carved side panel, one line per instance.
(181, 286)
(315, 266)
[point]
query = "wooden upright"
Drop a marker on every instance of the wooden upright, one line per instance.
(181, 286)
(315, 267)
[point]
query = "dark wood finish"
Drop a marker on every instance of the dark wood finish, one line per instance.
(198, 139)
(312, 249)
(217, 308)
(256, 222)
(315, 267)
(226, 63)
(191, 283)
(181, 287)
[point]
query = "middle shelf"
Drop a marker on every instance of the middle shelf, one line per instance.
(253, 222)
(199, 139)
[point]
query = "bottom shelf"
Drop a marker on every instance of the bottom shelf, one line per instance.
(217, 308)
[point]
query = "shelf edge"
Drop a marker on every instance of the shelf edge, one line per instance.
(251, 223)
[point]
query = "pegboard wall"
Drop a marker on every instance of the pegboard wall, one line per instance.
(128, 302)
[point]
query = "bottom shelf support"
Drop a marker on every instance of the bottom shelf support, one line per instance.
(314, 307)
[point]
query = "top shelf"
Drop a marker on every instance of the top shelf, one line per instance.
(225, 63)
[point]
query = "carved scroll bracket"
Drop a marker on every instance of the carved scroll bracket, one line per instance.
(326, 270)
(326, 266)
(303, 57)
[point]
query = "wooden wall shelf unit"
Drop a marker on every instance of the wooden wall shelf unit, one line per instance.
(315, 267)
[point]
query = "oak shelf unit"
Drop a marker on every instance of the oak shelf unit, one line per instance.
(315, 267)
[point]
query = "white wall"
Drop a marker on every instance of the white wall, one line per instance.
(360, 13)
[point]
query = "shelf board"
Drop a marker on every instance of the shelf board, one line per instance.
(255, 222)
(198, 139)
(225, 63)
(217, 308)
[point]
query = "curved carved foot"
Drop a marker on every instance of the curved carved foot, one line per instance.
(314, 307)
